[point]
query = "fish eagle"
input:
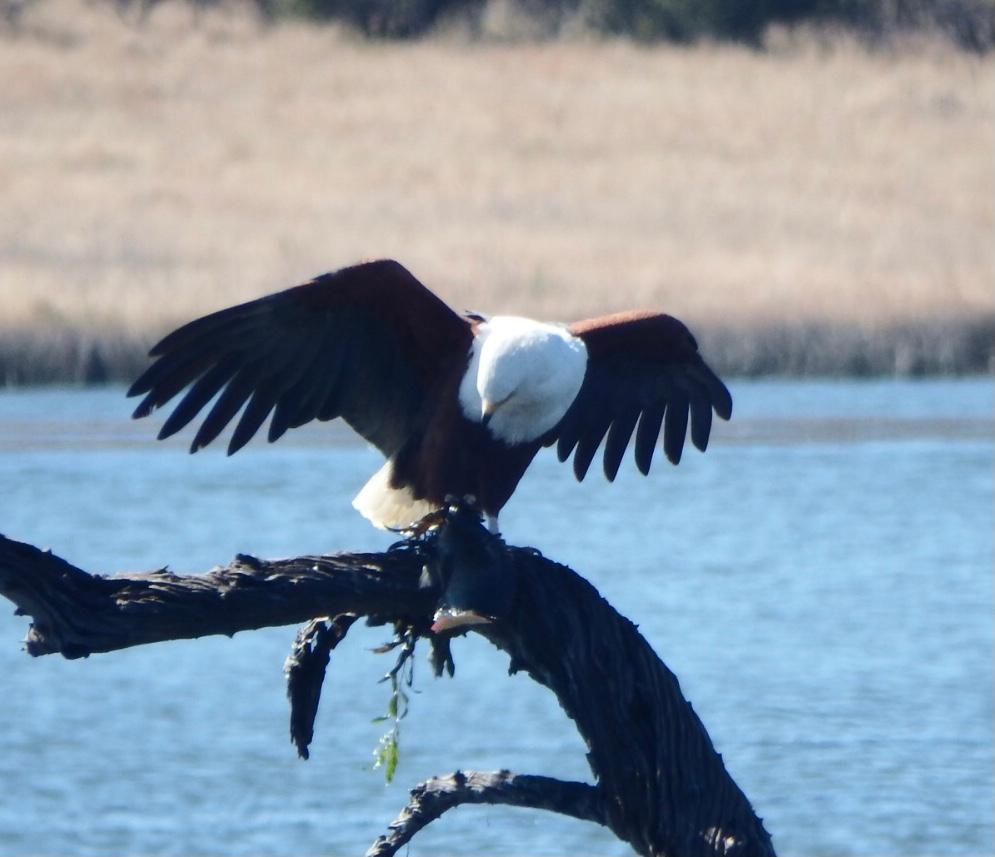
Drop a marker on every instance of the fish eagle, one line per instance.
(458, 404)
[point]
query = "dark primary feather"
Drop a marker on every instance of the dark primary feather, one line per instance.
(618, 438)
(205, 389)
(644, 374)
(587, 444)
(701, 423)
(366, 343)
(675, 426)
(229, 403)
(650, 420)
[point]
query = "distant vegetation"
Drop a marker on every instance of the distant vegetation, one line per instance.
(814, 349)
(968, 23)
(812, 208)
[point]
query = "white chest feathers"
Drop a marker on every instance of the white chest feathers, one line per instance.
(522, 377)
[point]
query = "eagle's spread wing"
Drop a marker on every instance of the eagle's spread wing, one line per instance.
(644, 373)
(366, 343)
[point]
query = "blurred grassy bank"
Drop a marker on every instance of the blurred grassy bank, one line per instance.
(812, 208)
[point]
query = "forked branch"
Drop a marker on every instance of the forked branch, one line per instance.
(660, 785)
(433, 797)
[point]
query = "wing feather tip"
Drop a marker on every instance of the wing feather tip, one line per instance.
(236, 442)
(723, 402)
(143, 410)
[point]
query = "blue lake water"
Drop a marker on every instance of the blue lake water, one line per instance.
(820, 581)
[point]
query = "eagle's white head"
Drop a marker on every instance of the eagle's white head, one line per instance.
(522, 377)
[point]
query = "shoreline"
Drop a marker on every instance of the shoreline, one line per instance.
(953, 347)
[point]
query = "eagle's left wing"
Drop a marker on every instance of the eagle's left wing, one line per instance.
(644, 373)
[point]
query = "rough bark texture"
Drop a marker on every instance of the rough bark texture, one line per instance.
(76, 614)
(305, 671)
(660, 785)
(664, 786)
(435, 796)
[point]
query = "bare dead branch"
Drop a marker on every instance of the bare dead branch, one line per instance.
(661, 786)
(665, 788)
(433, 797)
(305, 670)
(76, 614)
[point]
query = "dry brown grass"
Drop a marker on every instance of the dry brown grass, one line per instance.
(148, 174)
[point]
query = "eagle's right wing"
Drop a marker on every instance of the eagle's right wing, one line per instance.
(366, 343)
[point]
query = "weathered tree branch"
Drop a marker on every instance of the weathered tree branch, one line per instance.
(665, 788)
(660, 784)
(433, 797)
(76, 614)
(305, 671)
